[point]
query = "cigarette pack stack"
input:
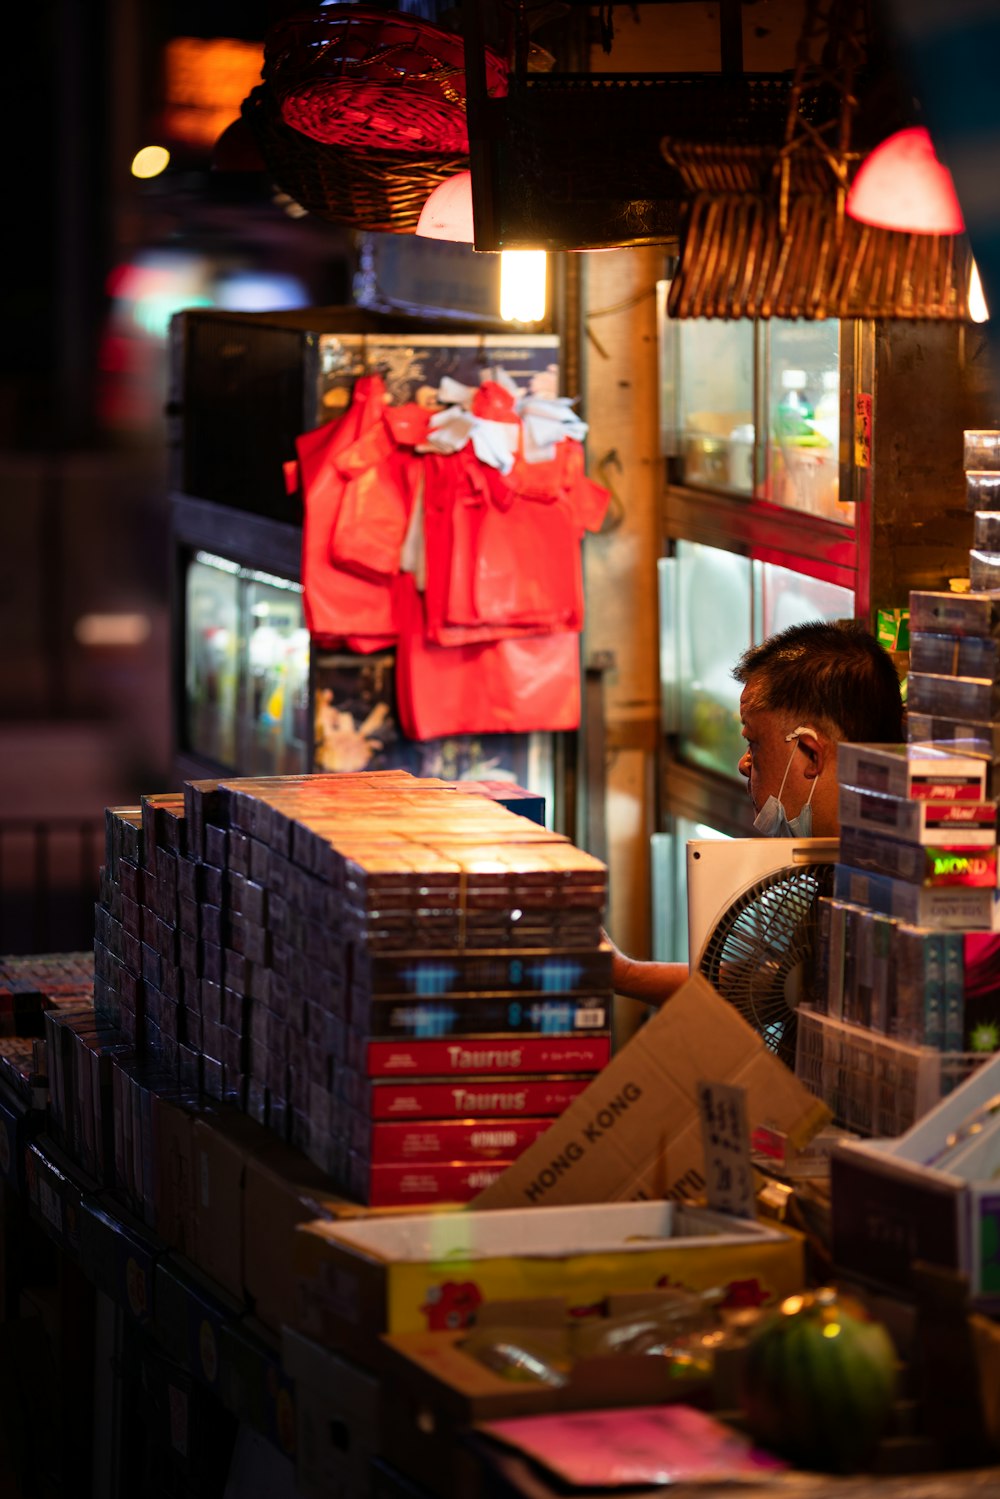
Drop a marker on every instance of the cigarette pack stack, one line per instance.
(910, 938)
(406, 981)
(982, 478)
(36, 991)
(921, 984)
(913, 923)
(953, 691)
(918, 814)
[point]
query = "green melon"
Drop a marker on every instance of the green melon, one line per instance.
(819, 1382)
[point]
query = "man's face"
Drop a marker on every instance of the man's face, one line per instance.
(767, 755)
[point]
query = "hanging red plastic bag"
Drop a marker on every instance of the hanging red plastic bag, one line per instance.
(517, 560)
(453, 481)
(340, 608)
(371, 522)
(518, 685)
(516, 566)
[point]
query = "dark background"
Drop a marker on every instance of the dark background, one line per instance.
(84, 505)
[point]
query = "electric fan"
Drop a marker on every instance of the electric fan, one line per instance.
(752, 925)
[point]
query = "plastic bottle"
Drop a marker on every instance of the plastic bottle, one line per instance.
(796, 474)
(793, 415)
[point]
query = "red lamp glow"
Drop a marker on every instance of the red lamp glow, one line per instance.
(447, 214)
(903, 186)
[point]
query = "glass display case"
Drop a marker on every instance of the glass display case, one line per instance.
(246, 668)
(715, 403)
(714, 605)
(753, 409)
(276, 722)
(801, 363)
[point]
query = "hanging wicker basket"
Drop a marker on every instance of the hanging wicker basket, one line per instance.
(739, 261)
(765, 230)
(372, 79)
(370, 190)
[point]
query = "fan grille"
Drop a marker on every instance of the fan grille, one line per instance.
(760, 956)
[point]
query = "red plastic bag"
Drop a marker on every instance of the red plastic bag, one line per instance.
(370, 526)
(516, 560)
(339, 606)
(517, 566)
(517, 685)
(454, 480)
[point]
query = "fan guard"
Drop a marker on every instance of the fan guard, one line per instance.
(760, 954)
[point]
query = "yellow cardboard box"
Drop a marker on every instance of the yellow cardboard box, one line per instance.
(359, 1279)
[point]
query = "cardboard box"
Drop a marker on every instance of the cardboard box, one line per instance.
(433, 1389)
(191, 1314)
(253, 1383)
(174, 1179)
(636, 1132)
(889, 1209)
(16, 1128)
(54, 1196)
(281, 1189)
(119, 1256)
(220, 1149)
(438, 1373)
(432, 1271)
(337, 1416)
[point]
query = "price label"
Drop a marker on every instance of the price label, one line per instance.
(863, 430)
(725, 1135)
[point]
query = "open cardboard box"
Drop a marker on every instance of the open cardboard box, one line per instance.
(357, 1280)
(635, 1132)
(435, 1386)
(444, 1372)
(890, 1209)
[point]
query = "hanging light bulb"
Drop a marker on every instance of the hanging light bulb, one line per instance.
(978, 310)
(902, 185)
(522, 285)
(447, 214)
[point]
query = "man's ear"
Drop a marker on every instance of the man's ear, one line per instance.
(819, 752)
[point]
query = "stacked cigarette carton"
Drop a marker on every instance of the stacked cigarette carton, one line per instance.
(953, 691)
(909, 942)
(914, 896)
(405, 980)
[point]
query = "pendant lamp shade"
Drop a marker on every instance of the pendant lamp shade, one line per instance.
(447, 213)
(902, 185)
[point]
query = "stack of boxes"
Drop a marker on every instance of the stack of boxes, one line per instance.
(916, 877)
(909, 943)
(955, 667)
(402, 979)
(32, 988)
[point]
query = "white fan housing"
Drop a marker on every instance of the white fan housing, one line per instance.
(753, 922)
(720, 870)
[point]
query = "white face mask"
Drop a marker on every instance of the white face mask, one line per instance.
(772, 821)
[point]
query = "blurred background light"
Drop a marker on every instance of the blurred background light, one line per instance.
(150, 162)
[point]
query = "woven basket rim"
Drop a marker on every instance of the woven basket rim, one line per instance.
(326, 28)
(374, 190)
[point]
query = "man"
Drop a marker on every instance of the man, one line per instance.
(804, 691)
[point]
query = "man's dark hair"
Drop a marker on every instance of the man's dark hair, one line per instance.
(837, 672)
